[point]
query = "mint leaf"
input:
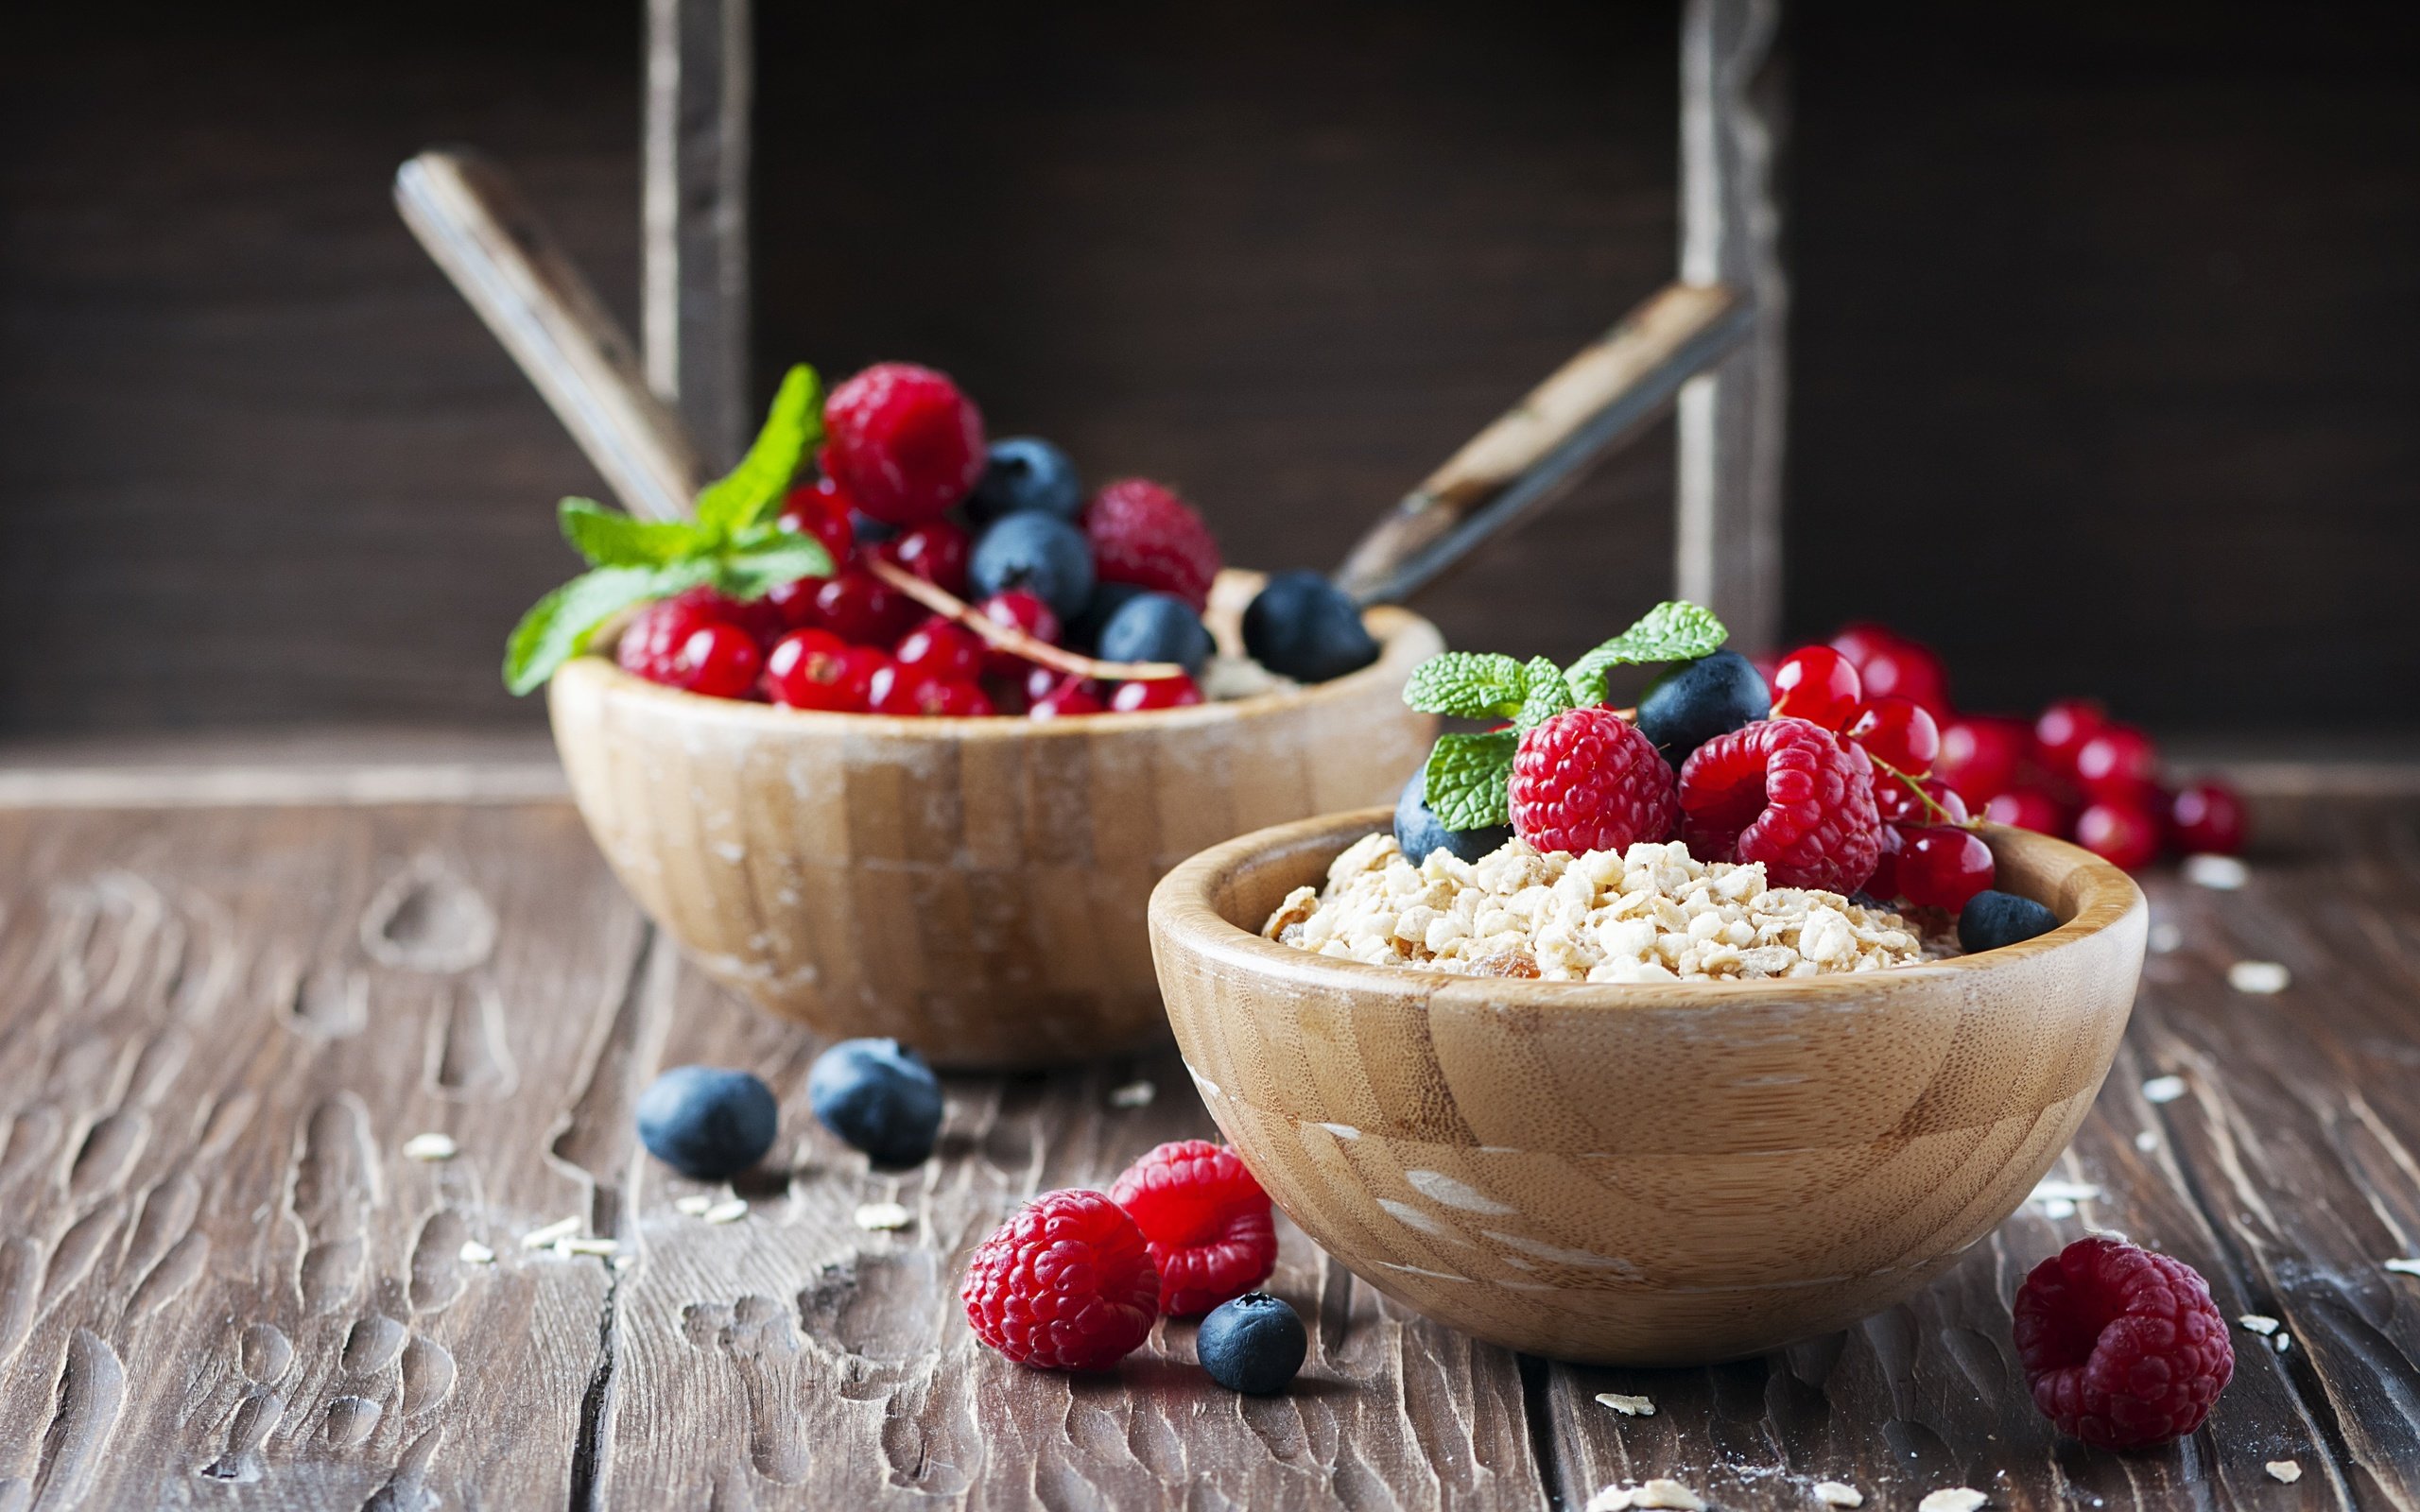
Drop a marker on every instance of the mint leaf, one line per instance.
(754, 572)
(1467, 778)
(608, 538)
(1468, 685)
(1549, 696)
(557, 627)
(1675, 630)
(751, 494)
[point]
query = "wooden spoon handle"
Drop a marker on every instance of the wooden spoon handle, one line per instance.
(472, 219)
(1615, 386)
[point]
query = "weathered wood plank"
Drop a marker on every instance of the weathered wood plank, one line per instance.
(217, 1273)
(701, 75)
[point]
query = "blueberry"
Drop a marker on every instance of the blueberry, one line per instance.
(1419, 831)
(707, 1123)
(1155, 627)
(1695, 701)
(1305, 628)
(1026, 473)
(1992, 920)
(1083, 632)
(868, 531)
(1252, 1345)
(1040, 553)
(879, 1096)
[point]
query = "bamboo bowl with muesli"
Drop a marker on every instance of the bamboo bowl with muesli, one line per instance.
(1630, 1169)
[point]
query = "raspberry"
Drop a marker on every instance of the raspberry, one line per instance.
(1587, 779)
(1210, 1232)
(1142, 533)
(1066, 1284)
(1786, 793)
(902, 443)
(2121, 1347)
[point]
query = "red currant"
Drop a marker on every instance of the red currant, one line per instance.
(650, 645)
(1942, 866)
(2060, 729)
(816, 669)
(1884, 883)
(1074, 695)
(941, 649)
(892, 689)
(1899, 733)
(860, 608)
(1158, 692)
(1979, 754)
(953, 699)
(1860, 640)
(722, 662)
(1817, 683)
(2117, 763)
(935, 551)
(2119, 834)
(1907, 670)
(1947, 798)
(2028, 808)
(1898, 802)
(2208, 817)
(1018, 610)
(755, 616)
(809, 512)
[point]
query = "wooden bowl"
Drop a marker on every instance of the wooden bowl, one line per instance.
(1654, 1175)
(974, 887)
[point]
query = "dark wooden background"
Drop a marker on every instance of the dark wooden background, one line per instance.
(2105, 342)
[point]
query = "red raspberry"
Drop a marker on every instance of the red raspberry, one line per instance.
(1142, 533)
(935, 551)
(1587, 779)
(2122, 1347)
(902, 443)
(1179, 691)
(1212, 1235)
(1786, 793)
(1066, 1284)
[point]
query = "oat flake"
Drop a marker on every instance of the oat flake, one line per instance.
(1134, 1094)
(2259, 1323)
(883, 1216)
(2147, 1141)
(694, 1204)
(475, 1253)
(1838, 1493)
(731, 1212)
(545, 1237)
(2284, 1470)
(1953, 1498)
(2163, 1089)
(1671, 1495)
(2262, 977)
(1611, 1498)
(430, 1147)
(1626, 1406)
(2404, 1268)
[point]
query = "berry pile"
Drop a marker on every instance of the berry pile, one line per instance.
(2072, 772)
(1075, 1279)
(909, 485)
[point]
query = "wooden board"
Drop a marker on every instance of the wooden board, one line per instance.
(220, 1280)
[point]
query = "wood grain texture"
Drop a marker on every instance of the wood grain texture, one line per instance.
(196, 1098)
(974, 887)
(1660, 1175)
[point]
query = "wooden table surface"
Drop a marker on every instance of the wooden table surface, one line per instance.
(222, 1284)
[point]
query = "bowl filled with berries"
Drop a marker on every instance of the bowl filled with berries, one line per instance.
(1651, 1036)
(895, 732)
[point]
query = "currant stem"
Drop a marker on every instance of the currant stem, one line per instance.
(1933, 810)
(1016, 641)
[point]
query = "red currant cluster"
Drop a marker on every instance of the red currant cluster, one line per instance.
(2072, 772)
(904, 469)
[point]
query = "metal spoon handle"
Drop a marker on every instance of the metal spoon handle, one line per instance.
(467, 213)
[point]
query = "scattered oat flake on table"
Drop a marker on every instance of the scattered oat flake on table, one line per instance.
(1671, 1495)
(880, 1215)
(2146, 1141)
(1953, 1498)
(1626, 1406)
(2263, 977)
(731, 1212)
(2258, 1323)
(2163, 1089)
(2404, 1268)
(694, 1204)
(541, 1238)
(576, 1246)
(2225, 873)
(1838, 1493)
(2165, 938)
(2284, 1342)
(2284, 1470)
(475, 1253)
(1134, 1094)
(2058, 1199)
(429, 1148)
(1611, 1498)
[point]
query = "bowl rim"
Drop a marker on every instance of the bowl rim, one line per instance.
(1405, 639)
(1182, 911)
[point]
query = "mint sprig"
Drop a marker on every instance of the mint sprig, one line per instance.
(731, 542)
(1465, 780)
